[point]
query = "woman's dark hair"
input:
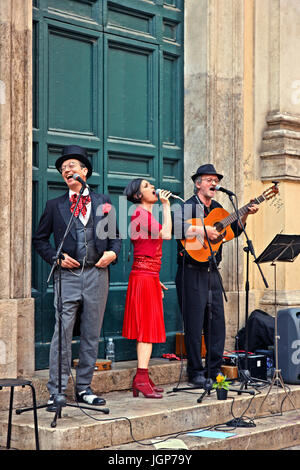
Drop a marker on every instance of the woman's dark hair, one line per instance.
(132, 190)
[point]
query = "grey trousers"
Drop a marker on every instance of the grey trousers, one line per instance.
(87, 289)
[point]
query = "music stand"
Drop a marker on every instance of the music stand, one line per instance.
(283, 248)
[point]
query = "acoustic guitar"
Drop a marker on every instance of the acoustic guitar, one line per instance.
(219, 218)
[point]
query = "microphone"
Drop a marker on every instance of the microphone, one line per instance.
(172, 195)
(223, 190)
(78, 178)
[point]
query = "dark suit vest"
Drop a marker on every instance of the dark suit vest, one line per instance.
(85, 244)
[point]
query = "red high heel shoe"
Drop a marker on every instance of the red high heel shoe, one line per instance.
(155, 388)
(145, 388)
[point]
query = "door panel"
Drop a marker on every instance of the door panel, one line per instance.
(131, 101)
(71, 83)
(131, 19)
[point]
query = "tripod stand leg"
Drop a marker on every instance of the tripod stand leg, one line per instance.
(61, 402)
(102, 410)
(245, 379)
(203, 395)
(261, 405)
(284, 388)
(277, 377)
(57, 415)
(207, 388)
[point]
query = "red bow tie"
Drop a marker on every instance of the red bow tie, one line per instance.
(83, 201)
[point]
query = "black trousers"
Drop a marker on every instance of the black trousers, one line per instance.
(192, 289)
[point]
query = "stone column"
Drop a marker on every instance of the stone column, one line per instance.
(277, 91)
(214, 120)
(16, 305)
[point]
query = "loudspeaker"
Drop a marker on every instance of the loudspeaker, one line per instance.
(288, 328)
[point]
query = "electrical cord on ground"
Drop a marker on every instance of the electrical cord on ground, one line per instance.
(233, 424)
(241, 420)
(236, 422)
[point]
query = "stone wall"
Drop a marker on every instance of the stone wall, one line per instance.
(214, 121)
(242, 109)
(16, 305)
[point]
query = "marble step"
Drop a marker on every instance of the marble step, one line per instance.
(131, 421)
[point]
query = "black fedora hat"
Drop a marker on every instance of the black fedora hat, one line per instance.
(78, 153)
(207, 169)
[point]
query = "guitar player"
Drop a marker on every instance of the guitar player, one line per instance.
(192, 274)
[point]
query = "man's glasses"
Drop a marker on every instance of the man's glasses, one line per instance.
(211, 180)
(71, 166)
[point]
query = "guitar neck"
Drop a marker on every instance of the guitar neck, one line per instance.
(242, 211)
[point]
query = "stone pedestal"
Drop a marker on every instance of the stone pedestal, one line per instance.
(280, 156)
(284, 299)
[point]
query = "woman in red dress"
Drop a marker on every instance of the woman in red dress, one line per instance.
(143, 318)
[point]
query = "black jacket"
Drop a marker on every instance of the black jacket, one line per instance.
(56, 218)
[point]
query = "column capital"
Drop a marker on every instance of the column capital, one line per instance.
(280, 155)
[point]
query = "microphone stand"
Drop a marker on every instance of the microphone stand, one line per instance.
(244, 374)
(208, 385)
(60, 399)
(58, 253)
(212, 266)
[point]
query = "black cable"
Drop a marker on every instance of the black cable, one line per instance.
(233, 424)
(237, 285)
(182, 318)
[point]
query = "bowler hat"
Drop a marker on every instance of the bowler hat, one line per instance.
(76, 152)
(207, 169)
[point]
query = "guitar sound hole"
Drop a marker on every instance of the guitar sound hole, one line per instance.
(219, 226)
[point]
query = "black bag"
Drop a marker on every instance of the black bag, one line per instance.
(261, 328)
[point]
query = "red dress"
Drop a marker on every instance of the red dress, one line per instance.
(143, 318)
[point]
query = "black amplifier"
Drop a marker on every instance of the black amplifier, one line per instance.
(257, 364)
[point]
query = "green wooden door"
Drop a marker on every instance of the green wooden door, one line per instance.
(108, 75)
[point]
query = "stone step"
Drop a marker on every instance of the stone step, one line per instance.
(119, 378)
(131, 421)
(267, 433)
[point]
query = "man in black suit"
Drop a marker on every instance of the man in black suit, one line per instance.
(92, 244)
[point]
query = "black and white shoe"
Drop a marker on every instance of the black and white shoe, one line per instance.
(51, 404)
(55, 400)
(88, 396)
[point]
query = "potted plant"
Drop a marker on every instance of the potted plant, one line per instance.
(222, 386)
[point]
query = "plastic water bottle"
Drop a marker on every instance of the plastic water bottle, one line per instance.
(110, 350)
